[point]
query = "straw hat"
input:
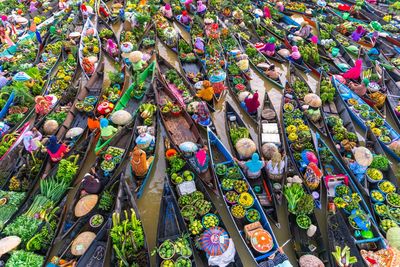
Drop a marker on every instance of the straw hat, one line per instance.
(8, 244)
(135, 56)
(313, 100)
(85, 205)
(363, 156)
(82, 242)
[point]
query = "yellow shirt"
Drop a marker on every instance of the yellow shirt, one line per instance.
(206, 93)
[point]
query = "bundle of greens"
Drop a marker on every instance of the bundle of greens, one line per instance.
(293, 194)
(236, 132)
(24, 258)
(128, 239)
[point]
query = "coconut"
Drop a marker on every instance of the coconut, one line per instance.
(121, 117)
(242, 95)
(284, 52)
(50, 127)
(74, 132)
(268, 149)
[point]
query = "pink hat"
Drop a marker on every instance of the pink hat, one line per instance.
(4, 18)
(295, 48)
(167, 6)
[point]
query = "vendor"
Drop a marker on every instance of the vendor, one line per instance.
(107, 131)
(166, 11)
(4, 81)
(269, 48)
(207, 92)
(251, 103)
(91, 183)
(55, 150)
(32, 140)
(275, 167)
(272, 73)
(202, 115)
(278, 259)
(93, 122)
(201, 8)
(304, 31)
(359, 89)
(295, 55)
(253, 167)
(140, 163)
(358, 33)
(185, 19)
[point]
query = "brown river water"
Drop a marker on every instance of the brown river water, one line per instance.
(149, 203)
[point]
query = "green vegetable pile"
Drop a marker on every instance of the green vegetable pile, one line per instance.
(236, 132)
(128, 239)
(22, 258)
(309, 53)
(300, 88)
(327, 91)
(293, 194)
(14, 200)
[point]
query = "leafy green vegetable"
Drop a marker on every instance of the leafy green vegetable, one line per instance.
(22, 258)
(293, 194)
(237, 132)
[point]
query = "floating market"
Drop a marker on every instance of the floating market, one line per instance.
(188, 133)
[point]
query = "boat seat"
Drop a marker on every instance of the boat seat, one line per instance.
(271, 128)
(270, 138)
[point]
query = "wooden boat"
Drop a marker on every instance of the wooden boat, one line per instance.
(148, 43)
(54, 208)
(201, 253)
(267, 202)
(184, 99)
(89, 27)
(180, 128)
(260, 34)
(194, 69)
(129, 103)
(343, 57)
(346, 94)
(295, 80)
(262, 61)
(126, 208)
(138, 184)
(79, 222)
(270, 131)
(239, 80)
(340, 232)
(106, 33)
(392, 100)
(171, 224)
(162, 24)
(294, 149)
(302, 243)
(220, 155)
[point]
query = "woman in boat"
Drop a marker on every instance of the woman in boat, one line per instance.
(93, 122)
(199, 45)
(363, 158)
(207, 92)
(4, 81)
(185, 19)
(139, 162)
(252, 168)
(272, 73)
(201, 8)
(91, 183)
(112, 48)
(358, 33)
(251, 103)
(304, 31)
(202, 115)
(268, 48)
(136, 59)
(166, 11)
(55, 150)
(32, 140)
(295, 55)
(359, 89)
(278, 259)
(267, 12)
(354, 72)
(107, 131)
(275, 166)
